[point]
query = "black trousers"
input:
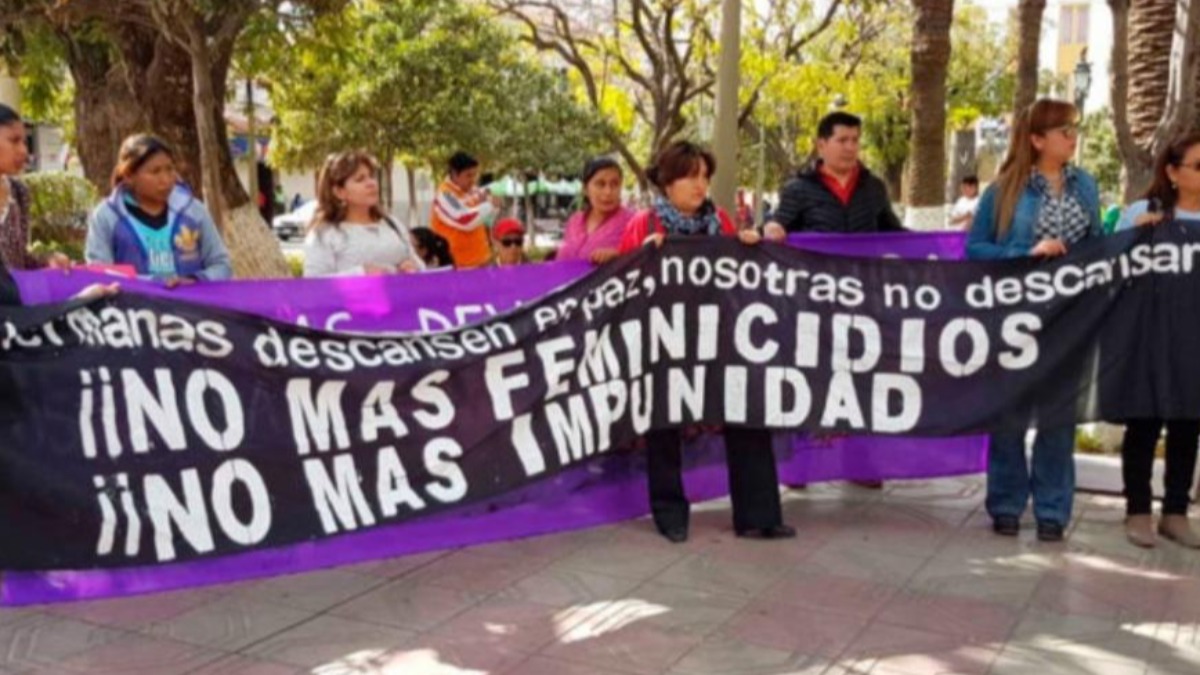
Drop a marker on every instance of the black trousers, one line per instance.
(753, 482)
(1137, 463)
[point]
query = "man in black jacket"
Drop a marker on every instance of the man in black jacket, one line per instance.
(836, 193)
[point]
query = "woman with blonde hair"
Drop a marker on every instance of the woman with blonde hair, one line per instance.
(350, 234)
(1040, 206)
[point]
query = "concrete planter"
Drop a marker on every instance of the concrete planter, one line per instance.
(1102, 473)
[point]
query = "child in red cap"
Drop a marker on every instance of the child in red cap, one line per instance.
(509, 237)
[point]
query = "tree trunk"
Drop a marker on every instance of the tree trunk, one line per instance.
(1135, 160)
(528, 207)
(1179, 116)
(109, 107)
(387, 160)
(252, 244)
(1151, 27)
(1029, 18)
(893, 175)
(925, 191)
(102, 114)
(1155, 81)
(204, 100)
(158, 72)
(414, 214)
(130, 78)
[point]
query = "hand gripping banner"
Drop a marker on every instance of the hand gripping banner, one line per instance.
(140, 431)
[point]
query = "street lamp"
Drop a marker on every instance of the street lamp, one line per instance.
(1082, 80)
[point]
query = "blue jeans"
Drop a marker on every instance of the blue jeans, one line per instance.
(1051, 482)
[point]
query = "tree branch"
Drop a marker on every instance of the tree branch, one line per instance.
(793, 48)
(1119, 78)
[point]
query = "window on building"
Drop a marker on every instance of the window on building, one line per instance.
(1073, 25)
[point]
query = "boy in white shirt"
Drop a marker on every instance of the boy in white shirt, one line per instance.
(963, 211)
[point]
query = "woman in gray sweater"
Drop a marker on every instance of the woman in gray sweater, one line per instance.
(350, 234)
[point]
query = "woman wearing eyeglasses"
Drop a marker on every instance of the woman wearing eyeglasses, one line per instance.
(1039, 206)
(1174, 195)
(510, 242)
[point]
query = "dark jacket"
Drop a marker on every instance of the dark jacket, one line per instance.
(807, 205)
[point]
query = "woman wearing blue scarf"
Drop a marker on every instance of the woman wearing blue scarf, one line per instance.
(681, 173)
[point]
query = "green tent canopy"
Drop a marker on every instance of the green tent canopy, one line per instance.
(509, 188)
(505, 187)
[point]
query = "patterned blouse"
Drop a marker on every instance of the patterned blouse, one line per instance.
(1062, 216)
(14, 229)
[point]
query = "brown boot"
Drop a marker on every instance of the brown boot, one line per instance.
(1176, 528)
(1139, 530)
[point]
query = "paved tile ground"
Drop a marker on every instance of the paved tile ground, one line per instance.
(904, 581)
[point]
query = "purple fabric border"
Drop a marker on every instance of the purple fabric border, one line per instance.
(608, 490)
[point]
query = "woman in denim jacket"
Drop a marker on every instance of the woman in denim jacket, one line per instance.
(1039, 206)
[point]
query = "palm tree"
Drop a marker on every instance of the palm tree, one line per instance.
(1151, 23)
(927, 146)
(1029, 26)
(1155, 80)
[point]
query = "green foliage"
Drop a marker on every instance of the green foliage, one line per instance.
(58, 209)
(42, 248)
(421, 79)
(981, 81)
(1053, 85)
(38, 58)
(864, 60)
(1100, 155)
(1087, 443)
(59, 200)
(295, 261)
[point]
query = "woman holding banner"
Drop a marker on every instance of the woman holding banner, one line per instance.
(594, 233)
(1174, 195)
(14, 199)
(681, 173)
(1039, 206)
(350, 235)
(153, 223)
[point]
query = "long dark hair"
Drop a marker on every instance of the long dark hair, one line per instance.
(9, 116)
(338, 169)
(135, 152)
(1162, 194)
(436, 247)
(594, 166)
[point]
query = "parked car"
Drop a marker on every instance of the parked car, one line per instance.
(293, 224)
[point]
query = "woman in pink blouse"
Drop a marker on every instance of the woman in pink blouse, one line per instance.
(594, 233)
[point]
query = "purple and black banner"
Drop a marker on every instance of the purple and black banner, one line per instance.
(231, 446)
